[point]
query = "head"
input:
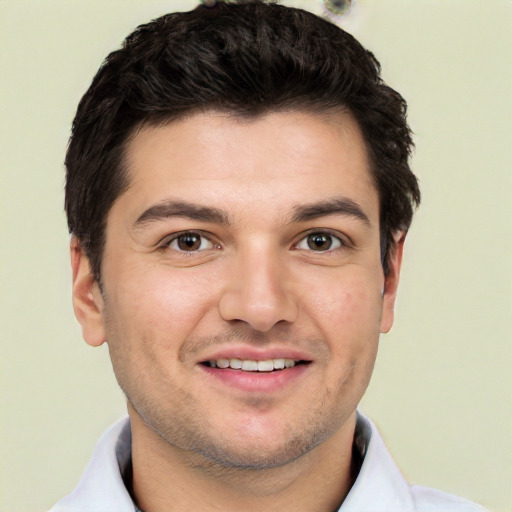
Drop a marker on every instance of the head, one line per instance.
(247, 59)
(238, 189)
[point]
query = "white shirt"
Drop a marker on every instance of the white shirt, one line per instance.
(379, 487)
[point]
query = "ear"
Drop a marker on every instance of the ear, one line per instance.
(391, 284)
(87, 298)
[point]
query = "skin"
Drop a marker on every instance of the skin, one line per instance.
(255, 287)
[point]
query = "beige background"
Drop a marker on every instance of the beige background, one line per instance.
(441, 393)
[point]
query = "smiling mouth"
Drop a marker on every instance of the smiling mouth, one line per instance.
(251, 365)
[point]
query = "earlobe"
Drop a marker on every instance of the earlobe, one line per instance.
(391, 284)
(87, 298)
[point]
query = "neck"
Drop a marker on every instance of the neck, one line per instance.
(166, 478)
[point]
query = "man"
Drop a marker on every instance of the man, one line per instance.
(238, 193)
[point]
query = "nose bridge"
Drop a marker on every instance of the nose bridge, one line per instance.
(258, 289)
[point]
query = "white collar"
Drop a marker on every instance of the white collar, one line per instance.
(379, 487)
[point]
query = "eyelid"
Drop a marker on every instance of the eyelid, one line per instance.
(344, 240)
(165, 243)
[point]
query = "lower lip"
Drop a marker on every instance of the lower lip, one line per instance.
(257, 381)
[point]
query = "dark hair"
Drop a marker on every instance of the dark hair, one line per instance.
(248, 58)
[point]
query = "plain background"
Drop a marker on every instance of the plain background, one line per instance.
(441, 392)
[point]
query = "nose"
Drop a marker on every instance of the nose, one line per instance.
(258, 291)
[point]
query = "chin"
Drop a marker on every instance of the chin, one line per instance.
(253, 458)
(258, 454)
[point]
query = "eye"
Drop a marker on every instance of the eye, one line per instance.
(319, 242)
(189, 241)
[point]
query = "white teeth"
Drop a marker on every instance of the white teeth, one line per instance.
(278, 364)
(265, 366)
(236, 364)
(250, 365)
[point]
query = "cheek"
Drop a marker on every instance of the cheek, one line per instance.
(349, 319)
(348, 303)
(148, 316)
(157, 305)
(353, 338)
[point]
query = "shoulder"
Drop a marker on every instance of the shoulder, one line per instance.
(101, 487)
(427, 499)
(381, 487)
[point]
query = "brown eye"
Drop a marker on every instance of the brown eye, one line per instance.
(190, 242)
(319, 242)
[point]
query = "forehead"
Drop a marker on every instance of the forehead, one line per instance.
(272, 161)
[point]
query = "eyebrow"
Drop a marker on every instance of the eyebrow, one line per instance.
(335, 206)
(170, 208)
(301, 213)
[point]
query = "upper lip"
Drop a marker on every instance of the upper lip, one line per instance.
(245, 352)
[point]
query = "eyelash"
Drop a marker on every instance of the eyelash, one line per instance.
(335, 239)
(168, 242)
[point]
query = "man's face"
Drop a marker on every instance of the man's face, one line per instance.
(251, 243)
